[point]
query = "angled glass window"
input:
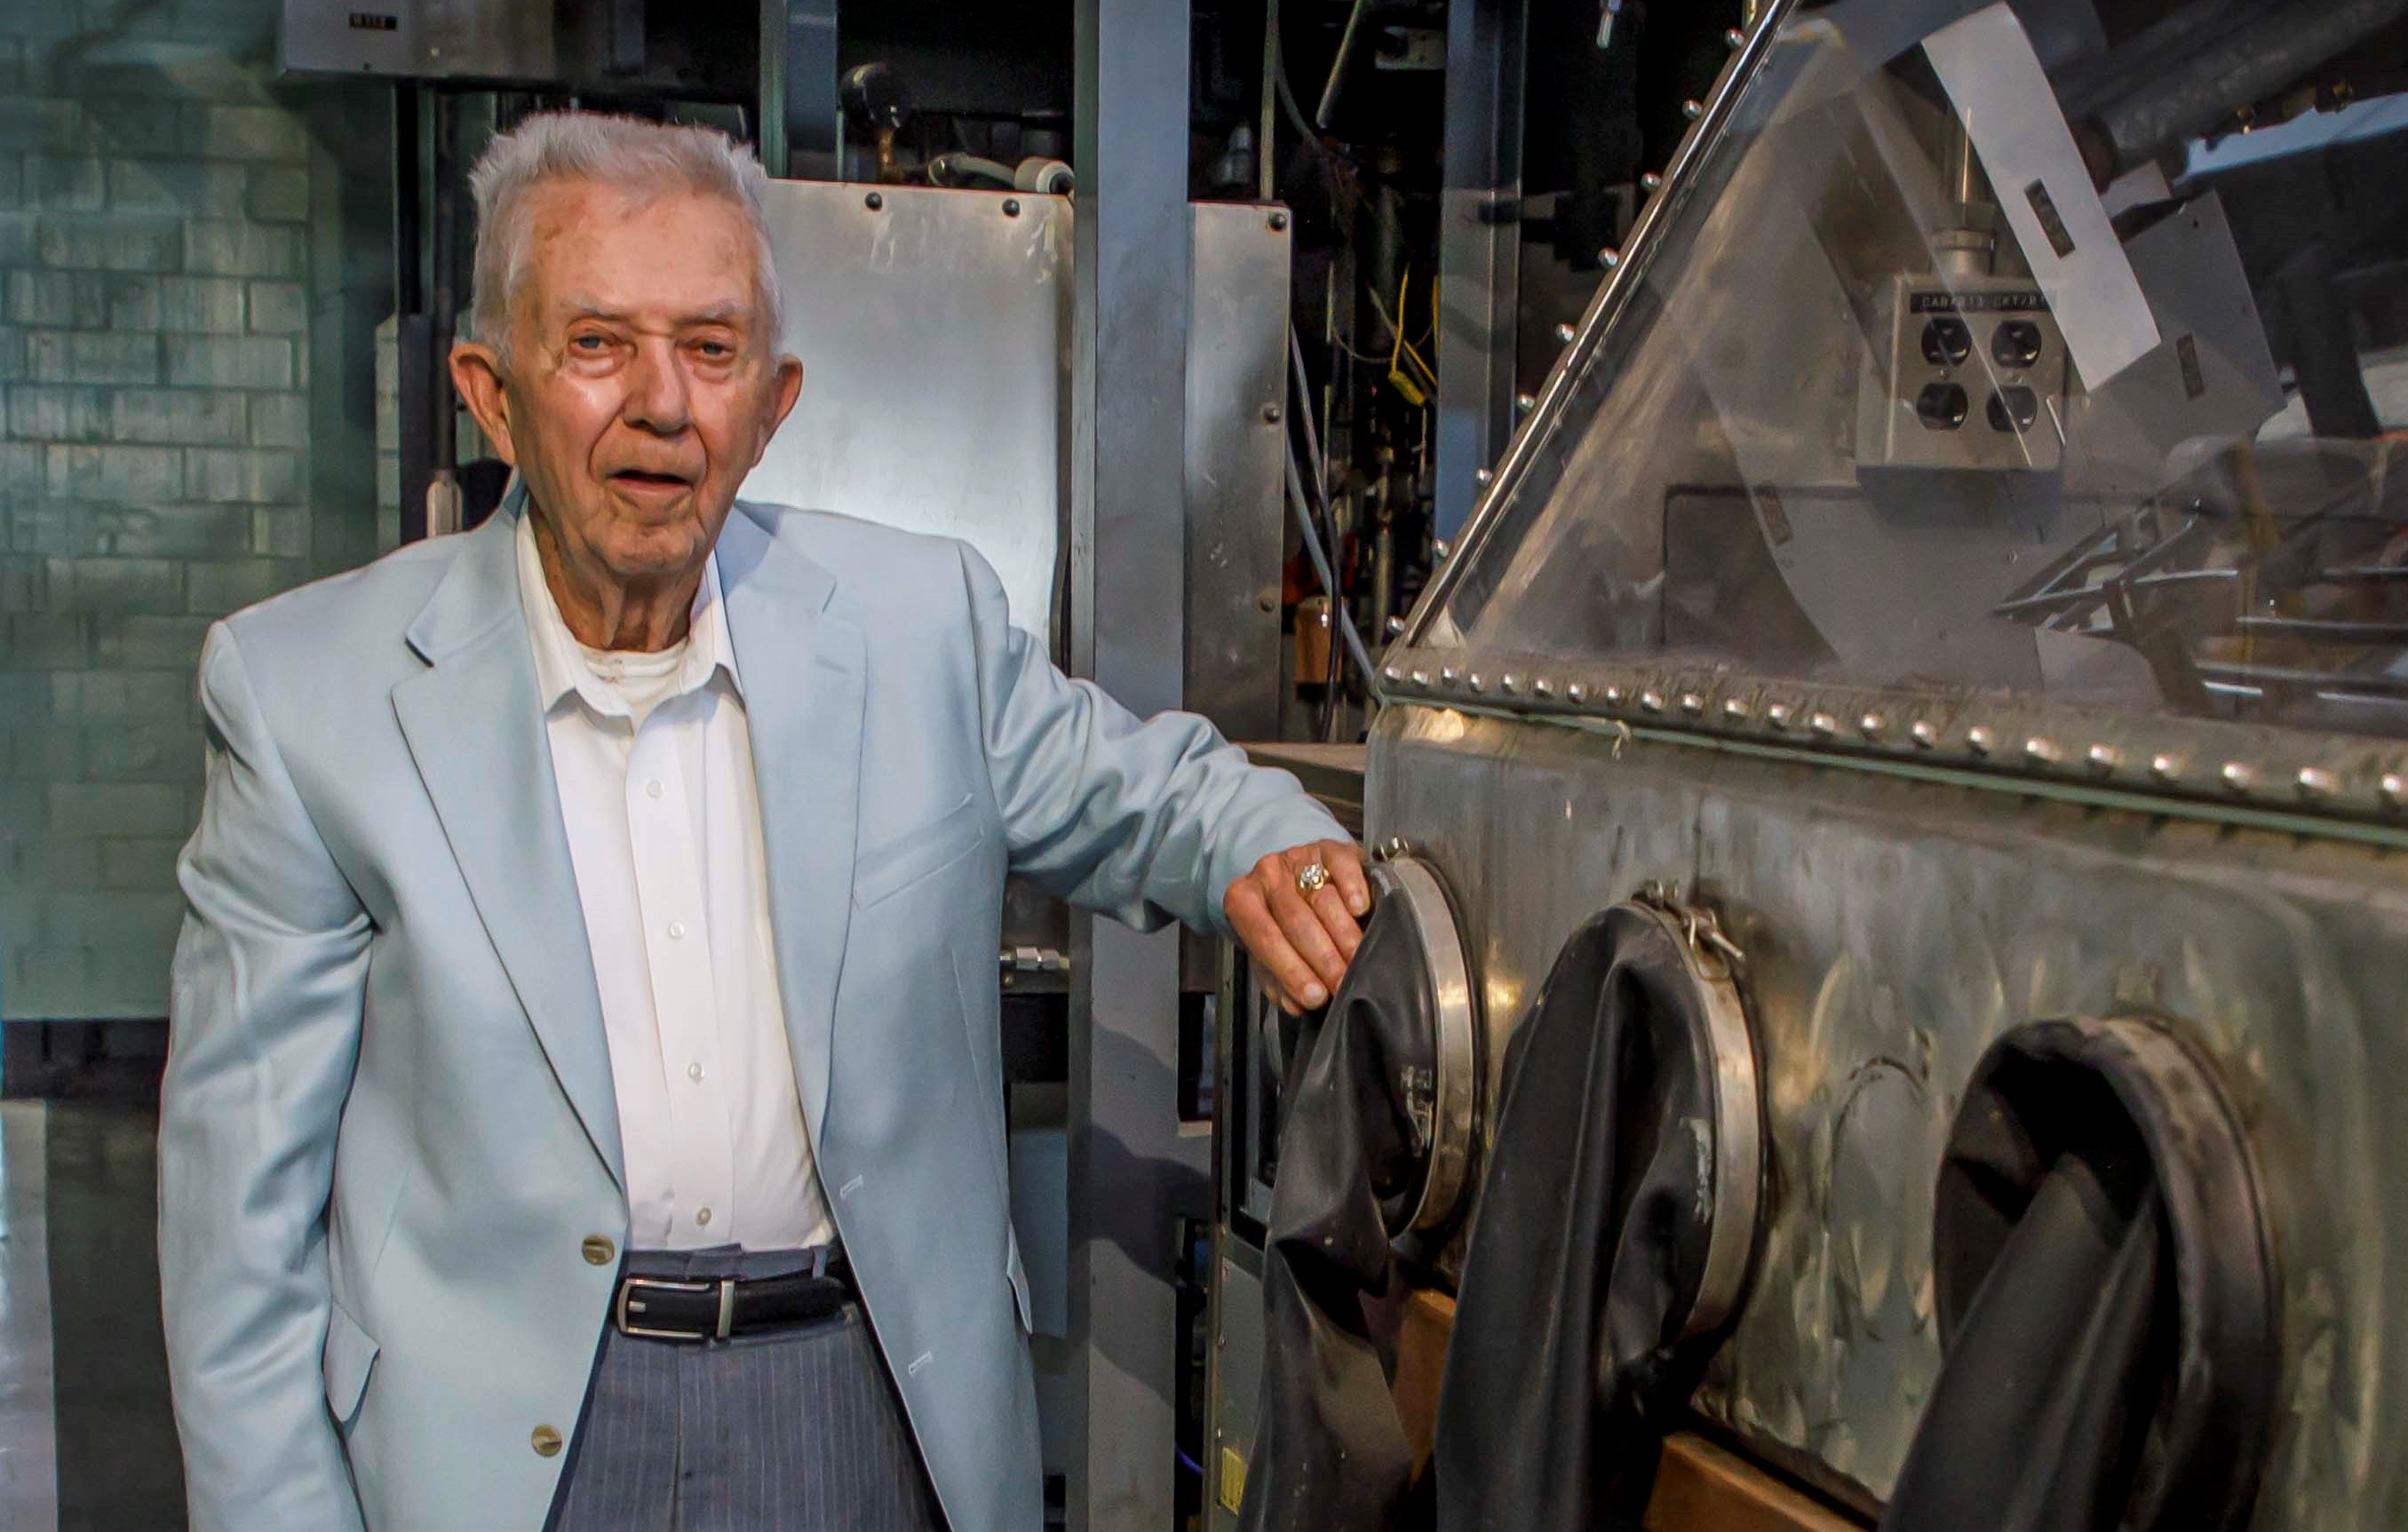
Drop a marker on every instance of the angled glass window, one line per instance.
(1847, 423)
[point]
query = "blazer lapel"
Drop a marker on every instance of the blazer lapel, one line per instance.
(802, 671)
(475, 724)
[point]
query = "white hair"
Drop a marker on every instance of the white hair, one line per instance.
(642, 159)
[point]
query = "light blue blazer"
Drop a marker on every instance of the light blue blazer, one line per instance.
(388, 1138)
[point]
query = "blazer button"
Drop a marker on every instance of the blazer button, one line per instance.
(599, 1251)
(547, 1441)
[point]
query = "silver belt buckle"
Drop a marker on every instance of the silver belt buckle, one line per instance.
(628, 1301)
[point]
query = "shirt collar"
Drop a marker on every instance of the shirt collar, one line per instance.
(560, 666)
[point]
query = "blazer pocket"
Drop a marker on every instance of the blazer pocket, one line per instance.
(886, 870)
(351, 1357)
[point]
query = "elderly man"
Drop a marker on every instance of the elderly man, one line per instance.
(584, 1106)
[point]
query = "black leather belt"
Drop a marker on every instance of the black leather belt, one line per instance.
(719, 1308)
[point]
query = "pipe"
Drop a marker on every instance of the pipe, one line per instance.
(1350, 43)
(2245, 66)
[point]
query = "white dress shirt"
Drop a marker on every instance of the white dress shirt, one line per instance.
(654, 764)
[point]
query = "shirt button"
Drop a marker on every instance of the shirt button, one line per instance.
(652, 788)
(598, 1251)
(546, 1441)
(693, 1072)
(677, 930)
(703, 1218)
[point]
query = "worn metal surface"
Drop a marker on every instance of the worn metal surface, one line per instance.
(1894, 927)
(930, 332)
(1236, 361)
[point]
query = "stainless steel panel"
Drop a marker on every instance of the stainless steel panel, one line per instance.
(1237, 1381)
(1237, 360)
(930, 327)
(1894, 928)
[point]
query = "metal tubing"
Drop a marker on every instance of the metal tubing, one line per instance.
(1320, 566)
(1480, 250)
(2245, 66)
(1350, 43)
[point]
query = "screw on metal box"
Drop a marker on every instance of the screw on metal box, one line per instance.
(2395, 789)
(1979, 740)
(2165, 768)
(1925, 732)
(2040, 751)
(1609, 258)
(1692, 703)
(1734, 39)
(1278, 220)
(1693, 109)
(2105, 757)
(1543, 687)
(1421, 677)
(1273, 414)
(1011, 206)
(1449, 675)
(1824, 724)
(874, 201)
(1777, 715)
(1485, 475)
(1524, 403)
(1564, 333)
(2238, 776)
(1873, 724)
(1650, 182)
(1652, 700)
(1474, 681)
(1395, 626)
(1577, 693)
(1392, 672)
(1735, 708)
(1509, 684)
(1614, 696)
(2317, 783)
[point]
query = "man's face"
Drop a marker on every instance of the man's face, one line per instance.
(643, 381)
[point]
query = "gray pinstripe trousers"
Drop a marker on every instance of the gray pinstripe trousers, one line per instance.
(799, 1431)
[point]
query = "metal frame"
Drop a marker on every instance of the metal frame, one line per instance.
(1480, 239)
(1135, 1169)
(1454, 1096)
(1462, 450)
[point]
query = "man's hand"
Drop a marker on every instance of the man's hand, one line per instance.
(1301, 943)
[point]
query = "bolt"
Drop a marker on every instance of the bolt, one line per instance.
(1692, 703)
(1509, 684)
(1650, 182)
(1395, 626)
(1693, 109)
(1273, 414)
(1011, 206)
(1564, 333)
(1777, 715)
(1450, 675)
(1524, 403)
(1421, 677)
(1824, 724)
(1609, 258)
(1577, 693)
(1267, 601)
(1735, 39)
(1393, 673)
(1872, 723)
(1474, 681)
(2317, 783)
(2164, 769)
(2105, 757)
(2040, 751)
(1980, 739)
(1441, 547)
(2395, 789)
(1924, 732)
(1543, 687)
(1485, 476)
(2238, 776)
(1278, 219)
(1735, 708)
(874, 201)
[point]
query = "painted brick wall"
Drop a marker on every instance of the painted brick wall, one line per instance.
(156, 430)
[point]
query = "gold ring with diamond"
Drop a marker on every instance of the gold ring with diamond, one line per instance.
(1312, 879)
